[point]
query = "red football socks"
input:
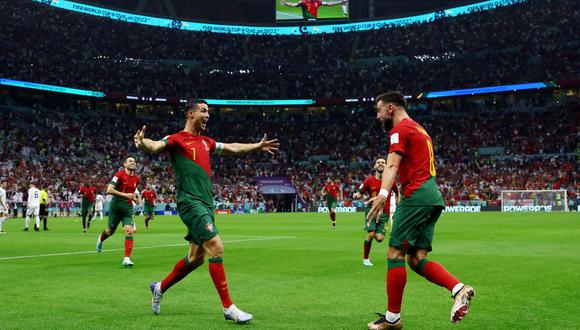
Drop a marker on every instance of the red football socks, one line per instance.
(367, 248)
(104, 235)
(437, 274)
(218, 275)
(181, 269)
(396, 280)
(128, 245)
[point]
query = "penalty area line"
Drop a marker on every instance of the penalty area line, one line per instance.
(259, 238)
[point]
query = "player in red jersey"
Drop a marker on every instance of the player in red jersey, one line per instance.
(310, 7)
(375, 229)
(149, 197)
(332, 192)
(123, 187)
(190, 152)
(411, 155)
(88, 192)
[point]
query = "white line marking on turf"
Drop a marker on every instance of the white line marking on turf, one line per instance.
(257, 238)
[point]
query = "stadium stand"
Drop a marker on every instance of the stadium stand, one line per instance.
(538, 42)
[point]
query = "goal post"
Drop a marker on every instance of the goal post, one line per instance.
(534, 200)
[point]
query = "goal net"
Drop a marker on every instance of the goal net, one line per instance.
(534, 200)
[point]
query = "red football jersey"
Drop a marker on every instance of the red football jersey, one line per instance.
(94, 193)
(149, 196)
(332, 189)
(418, 163)
(372, 186)
(125, 183)
(88, 193)
(196, 148)
(311, 6)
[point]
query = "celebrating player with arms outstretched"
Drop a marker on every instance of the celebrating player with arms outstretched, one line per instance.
(375, 229)
(123, 187)
(411, 155)
(190, 157)
(310, 7)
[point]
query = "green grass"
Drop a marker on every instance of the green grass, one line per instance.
(525, 269)
(295, 13)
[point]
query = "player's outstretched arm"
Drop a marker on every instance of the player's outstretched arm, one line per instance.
(148, 145)
(269, 146)
(334, 3)
(290, 4)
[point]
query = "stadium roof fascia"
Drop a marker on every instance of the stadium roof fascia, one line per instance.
(272, 29)
(271, 102)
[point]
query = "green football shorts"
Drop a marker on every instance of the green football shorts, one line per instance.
(331, 202)
(117, 216)
(199, 221)
(414, 226)
(149, 209)
(377, 227)
(86, 208)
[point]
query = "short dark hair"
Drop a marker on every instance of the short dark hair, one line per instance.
(380, 157)
(393, 97)
(193, 103)
(127, 157)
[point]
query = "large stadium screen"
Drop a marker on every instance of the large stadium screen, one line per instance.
(311, 10)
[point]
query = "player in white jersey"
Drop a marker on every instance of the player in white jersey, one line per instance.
(393, 207)
(33, 207)
(3, 206)
(99, 203)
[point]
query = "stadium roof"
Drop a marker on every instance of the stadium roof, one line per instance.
(262, 11)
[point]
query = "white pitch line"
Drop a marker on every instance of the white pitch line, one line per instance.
(258, 238)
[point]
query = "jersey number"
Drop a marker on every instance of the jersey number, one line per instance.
(431, 158)
(193, 153)
(35, 194)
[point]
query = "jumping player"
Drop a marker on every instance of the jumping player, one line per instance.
(375, 229)
(411, 154)
(123, 187)
(332, 192)
(190, 152)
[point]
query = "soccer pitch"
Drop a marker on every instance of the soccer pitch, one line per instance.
(295, 13)
(292, 272)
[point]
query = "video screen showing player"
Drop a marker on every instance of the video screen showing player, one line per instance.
(311, 10)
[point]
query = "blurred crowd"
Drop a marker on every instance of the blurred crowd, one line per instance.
(482, 145)
(532, 41)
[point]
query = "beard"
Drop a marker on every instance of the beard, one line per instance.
(388, 125)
